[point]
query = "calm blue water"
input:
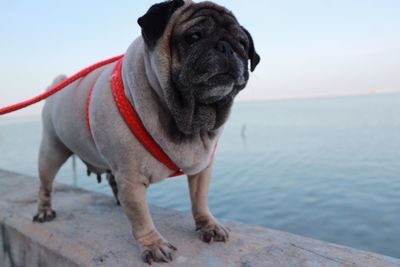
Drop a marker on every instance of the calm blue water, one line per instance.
(323, 168)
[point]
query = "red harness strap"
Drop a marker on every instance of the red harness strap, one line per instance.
(133, 121)
(89, 97)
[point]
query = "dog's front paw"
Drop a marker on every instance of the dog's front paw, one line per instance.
(44, 216)
(211, 230)
(158, 251)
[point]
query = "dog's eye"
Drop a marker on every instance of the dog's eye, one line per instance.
(193, 37)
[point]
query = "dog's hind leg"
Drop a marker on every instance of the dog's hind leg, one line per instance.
(52, 156)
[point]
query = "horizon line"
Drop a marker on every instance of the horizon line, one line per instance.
(258, 99)
(313, 96)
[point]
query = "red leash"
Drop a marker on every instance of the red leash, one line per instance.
(58, 87)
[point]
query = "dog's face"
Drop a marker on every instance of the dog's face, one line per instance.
(202, 55)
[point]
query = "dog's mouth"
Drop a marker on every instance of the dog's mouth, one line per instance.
(216, 88)
(203, 109)
(215, 94)
(221, 78)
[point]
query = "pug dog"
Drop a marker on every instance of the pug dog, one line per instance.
(181, 76)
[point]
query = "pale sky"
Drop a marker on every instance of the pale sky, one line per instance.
(309, 47)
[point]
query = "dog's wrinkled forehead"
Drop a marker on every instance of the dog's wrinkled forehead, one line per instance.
(205, 13)
(204, 9)
(161, 19)
(207, 17)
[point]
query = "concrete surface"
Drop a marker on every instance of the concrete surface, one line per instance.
(90, 230)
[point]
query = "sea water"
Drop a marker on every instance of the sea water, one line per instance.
(326, 168)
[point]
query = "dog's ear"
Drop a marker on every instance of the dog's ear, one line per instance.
(154, 22)
(253, 56)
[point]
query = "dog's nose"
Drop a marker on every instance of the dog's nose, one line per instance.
(224, 47)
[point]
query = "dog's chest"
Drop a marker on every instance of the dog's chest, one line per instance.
(195, 156)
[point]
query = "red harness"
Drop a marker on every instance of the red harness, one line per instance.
(133, 121)
(126, 110)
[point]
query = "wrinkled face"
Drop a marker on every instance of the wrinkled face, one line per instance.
(210, 56)
(201, 56)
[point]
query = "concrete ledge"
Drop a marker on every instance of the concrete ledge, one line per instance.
(90, 230)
